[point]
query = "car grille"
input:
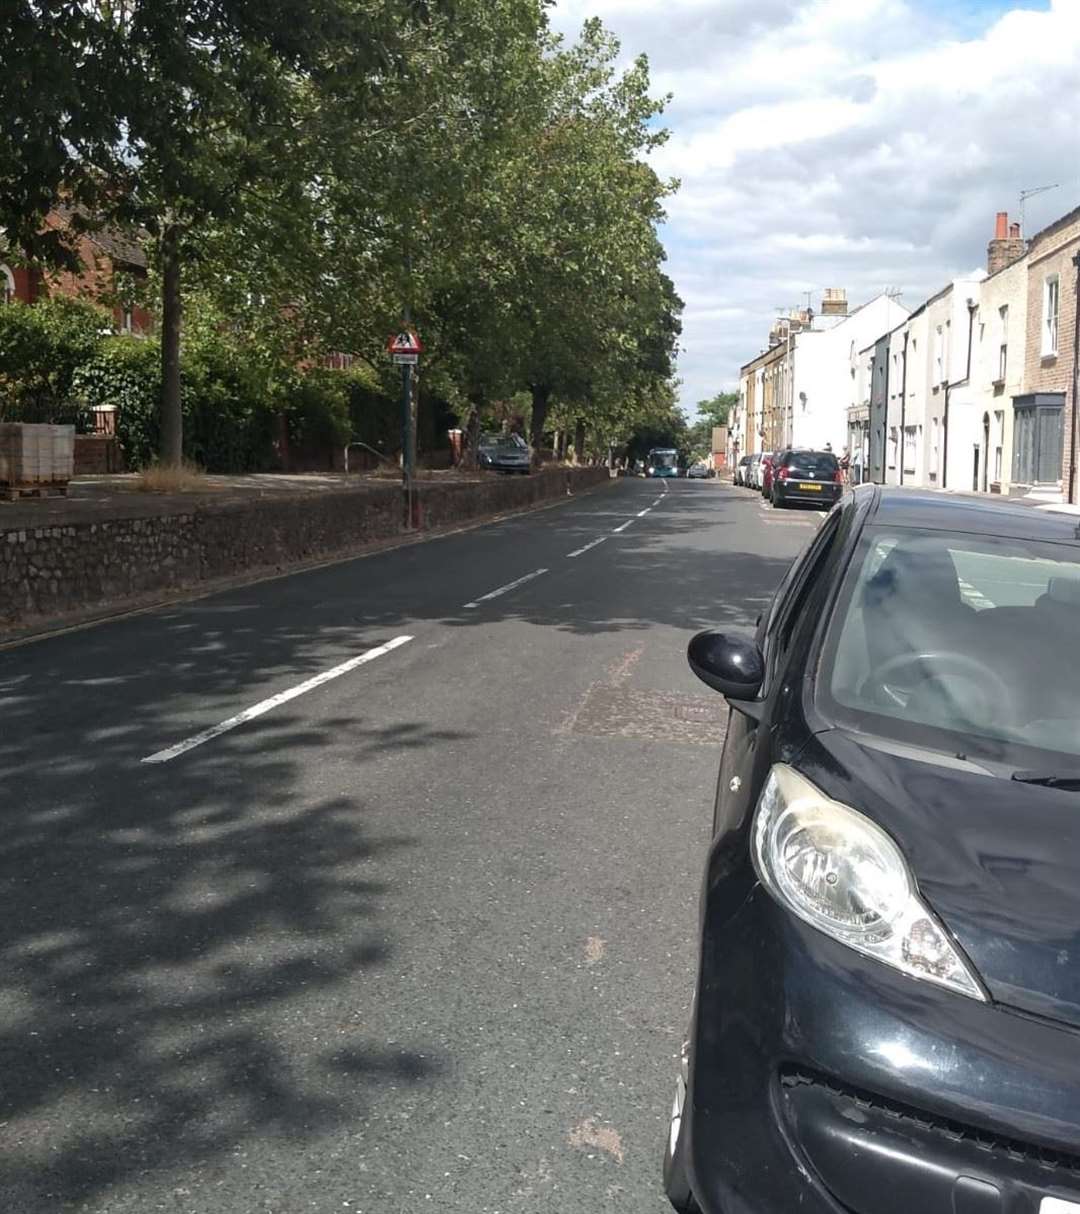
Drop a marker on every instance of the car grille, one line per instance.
(953, 1131)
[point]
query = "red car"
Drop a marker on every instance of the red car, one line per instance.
(767, 461)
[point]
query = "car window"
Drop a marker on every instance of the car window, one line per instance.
(813, 461)
(799, 581)
(963, 633)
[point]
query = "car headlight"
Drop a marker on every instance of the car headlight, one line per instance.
(842, 874)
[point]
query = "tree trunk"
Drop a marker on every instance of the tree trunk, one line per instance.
(579, 442)
(171, 449)
(541, 395)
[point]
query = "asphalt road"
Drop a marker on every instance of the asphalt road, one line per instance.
(421, 937)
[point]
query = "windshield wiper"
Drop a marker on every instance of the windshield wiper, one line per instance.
(1066, 780)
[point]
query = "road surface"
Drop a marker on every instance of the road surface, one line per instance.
(372, 888)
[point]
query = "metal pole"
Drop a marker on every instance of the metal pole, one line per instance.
(1075, 383)
(407, 440)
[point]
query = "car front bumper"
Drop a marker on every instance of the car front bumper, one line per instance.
(823, 1082)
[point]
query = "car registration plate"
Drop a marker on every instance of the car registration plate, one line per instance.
(1054, 1205)
(812, 488)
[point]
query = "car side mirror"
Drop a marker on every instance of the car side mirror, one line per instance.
(730, 664)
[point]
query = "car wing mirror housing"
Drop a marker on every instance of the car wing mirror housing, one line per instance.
(730, 664)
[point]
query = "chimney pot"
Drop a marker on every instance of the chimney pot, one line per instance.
(1001, 231)
(1014, 231)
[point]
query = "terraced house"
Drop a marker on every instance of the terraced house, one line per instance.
(1044, 447)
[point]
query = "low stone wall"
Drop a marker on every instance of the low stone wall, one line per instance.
(67, 570)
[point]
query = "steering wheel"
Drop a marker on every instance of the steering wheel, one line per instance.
(932, 667)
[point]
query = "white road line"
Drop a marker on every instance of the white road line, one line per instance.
(494, 594)
(642, 513)
(581, 551)
(257, 710)
(623, 527)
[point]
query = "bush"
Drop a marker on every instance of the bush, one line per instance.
(126, 372)
(315, 404)
(228, 405)
(42, 348)
(374, 414)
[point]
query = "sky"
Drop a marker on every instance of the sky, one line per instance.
(864, 144)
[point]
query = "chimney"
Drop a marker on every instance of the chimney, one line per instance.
(1006, 247)
(834, 302)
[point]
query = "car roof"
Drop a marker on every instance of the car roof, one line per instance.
(980, 514)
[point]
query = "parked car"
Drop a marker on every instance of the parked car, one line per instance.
(887, 1005)
(806, 476)
(698, 472)
(752, 470)
(765, 472)
(741, 469)
(504, 453)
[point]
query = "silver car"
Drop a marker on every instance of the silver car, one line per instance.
(504, 453)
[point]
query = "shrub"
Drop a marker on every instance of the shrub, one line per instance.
(126, 372)
(316, 408)
(374, 413)
(42, 347)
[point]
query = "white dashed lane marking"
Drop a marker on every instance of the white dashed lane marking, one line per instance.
(494, 594)
(257, 710)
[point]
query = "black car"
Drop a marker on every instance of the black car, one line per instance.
(887, 1011)
(807, 476)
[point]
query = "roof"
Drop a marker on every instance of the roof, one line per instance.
(981, 514)
(121, 247)
(1059, 223)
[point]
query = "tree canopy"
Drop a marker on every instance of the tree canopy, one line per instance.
(317, 170)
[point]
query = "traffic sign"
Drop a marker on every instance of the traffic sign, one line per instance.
(406, 360)
(405, 342)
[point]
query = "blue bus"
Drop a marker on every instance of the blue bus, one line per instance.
(663, 461)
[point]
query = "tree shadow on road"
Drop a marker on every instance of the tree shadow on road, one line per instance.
(176, 948)
(175, 954)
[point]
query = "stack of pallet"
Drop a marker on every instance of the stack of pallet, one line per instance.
(35, 460)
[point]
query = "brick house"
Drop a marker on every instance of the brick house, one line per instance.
(1044, 455)
(109, 259)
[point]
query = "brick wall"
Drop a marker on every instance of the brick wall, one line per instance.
(68, 570)
(1051, 252)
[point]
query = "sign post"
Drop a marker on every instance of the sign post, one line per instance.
(405, 349)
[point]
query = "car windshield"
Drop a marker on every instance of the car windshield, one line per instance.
(812, 461)
(662, 459)
(964, 638)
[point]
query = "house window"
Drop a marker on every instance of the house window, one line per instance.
(1038, 435)
(894, 441)
(1003, 342)
(939, 355)
(999, 441)
(7, 284)
(127, 320)
(1050, 316)
(935, 433)
(911, 448)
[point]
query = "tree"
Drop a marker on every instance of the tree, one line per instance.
(177, 116)
(712, 412)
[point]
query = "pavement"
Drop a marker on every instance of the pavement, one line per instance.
(386, 924)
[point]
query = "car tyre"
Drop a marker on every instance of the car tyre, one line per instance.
(676, 1178)
(777, 501)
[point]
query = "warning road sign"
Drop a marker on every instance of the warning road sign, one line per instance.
(405, 342)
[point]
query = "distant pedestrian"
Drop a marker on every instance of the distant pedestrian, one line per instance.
(856, 475)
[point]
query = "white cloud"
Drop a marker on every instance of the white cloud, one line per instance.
(854, 143)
